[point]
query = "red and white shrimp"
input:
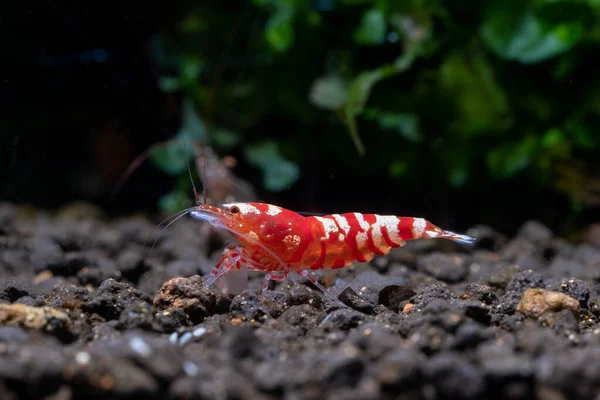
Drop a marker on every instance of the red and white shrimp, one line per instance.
(279, 241)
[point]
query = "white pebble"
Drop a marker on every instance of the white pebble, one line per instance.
(82, 358)
(190, 368)
(199, 332)
(173, 337)
(138, 345)
(185, 338)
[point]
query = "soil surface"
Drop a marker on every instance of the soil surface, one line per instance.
(88, 311)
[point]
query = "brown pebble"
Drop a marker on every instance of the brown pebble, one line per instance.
(46, 318)
(407, 307)
(236, 321)
(192, 297)
(107, 382)
(537, 302)
(43, 276)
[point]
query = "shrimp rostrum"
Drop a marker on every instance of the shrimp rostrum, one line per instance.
(279, 241)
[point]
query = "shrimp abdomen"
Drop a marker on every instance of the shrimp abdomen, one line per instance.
(354, 237)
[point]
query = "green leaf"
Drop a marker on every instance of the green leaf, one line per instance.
(469, 81)
(554, 137)
(329, 92)
(512, 158)
(556, 145)
(224, 138)
(278, 173)
(173, 201)
(279, 31)
(192, 127)
(515, 32)
(190, 69)
(361, 86)
(398, 168)
(169, 84)
(173, 156)
(360, 89)
(350, 121)
(594, 3)
(372, 28)
(406, 125)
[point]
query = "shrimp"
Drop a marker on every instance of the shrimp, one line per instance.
(279, 241)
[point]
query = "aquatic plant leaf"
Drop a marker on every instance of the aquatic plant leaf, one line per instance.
(360, 88)
(190, 69)
(278, 173)
(329, 92)
(169, 84)
(406, 125)
(515, 32)
(512, 158)
(279, 31)
(398, 168)
(224, 138)
(481, 102)
(173, 156)
(372, 28)
(173, 201)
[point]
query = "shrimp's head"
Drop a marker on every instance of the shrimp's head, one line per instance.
(253, 223)
(213, 215)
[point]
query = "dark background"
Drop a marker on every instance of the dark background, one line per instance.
(80, 99)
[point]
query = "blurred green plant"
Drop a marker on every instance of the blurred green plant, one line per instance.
(481, 90)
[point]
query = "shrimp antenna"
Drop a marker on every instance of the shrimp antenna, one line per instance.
(204, 162)
(176, 216)
(187, 163)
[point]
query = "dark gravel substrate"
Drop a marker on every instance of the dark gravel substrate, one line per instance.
(83, 315)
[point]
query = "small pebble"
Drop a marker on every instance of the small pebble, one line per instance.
(536, 302)
(190, 368)
(186, 337)
(138, 345)
(199, 332)
(83, 357)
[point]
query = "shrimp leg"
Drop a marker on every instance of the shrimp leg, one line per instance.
(226, 264)
(256, 266)
(273, 276)
(314, 281)
(229, 253)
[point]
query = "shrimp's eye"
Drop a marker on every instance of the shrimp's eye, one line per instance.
(234, 209)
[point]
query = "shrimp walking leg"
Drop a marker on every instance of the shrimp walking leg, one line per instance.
(225, 265)
(228, 254)
(273, 276)
(314, 281)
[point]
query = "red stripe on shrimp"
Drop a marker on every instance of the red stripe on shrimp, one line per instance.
(354, 235)
(357, 237)
(386, 237)
(405, 228)
(372, 246)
